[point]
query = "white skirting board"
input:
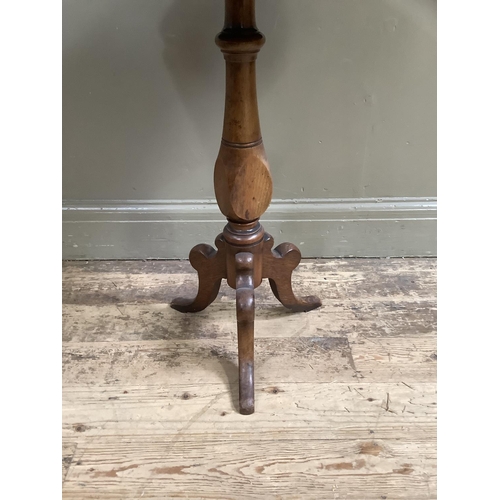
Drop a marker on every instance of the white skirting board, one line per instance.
(157, 229)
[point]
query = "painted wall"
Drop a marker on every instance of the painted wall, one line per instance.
(347, 95)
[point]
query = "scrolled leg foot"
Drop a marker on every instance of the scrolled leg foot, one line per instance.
(211, 267)
(245, 312)
(278, 267)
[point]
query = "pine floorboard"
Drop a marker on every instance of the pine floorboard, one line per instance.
(346, 401)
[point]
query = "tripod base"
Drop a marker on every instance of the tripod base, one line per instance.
(245, 256)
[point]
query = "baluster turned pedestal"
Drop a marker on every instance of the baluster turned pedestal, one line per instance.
(243, 188)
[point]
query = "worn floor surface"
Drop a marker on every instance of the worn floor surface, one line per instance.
(345, 395)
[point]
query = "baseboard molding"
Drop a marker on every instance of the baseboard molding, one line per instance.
(360, 227)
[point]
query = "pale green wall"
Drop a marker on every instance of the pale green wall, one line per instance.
(347, 93)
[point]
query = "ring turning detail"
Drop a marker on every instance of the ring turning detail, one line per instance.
(243, 188)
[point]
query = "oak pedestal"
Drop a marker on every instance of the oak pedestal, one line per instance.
(243, 188)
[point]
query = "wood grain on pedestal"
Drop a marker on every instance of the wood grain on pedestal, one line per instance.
(243, 188)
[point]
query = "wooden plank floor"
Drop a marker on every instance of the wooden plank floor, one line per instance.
(345, 394)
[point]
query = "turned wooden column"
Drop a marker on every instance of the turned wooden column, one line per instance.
(243, 188)
(243, 184)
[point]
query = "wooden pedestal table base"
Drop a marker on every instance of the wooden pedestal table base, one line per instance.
(243, 188)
